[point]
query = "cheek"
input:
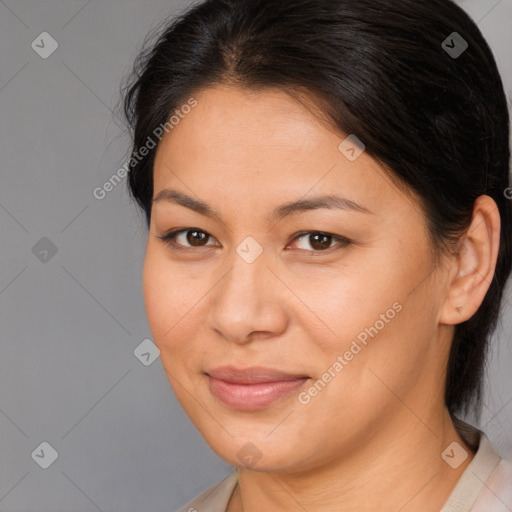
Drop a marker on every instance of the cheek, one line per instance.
(345, 301)
(366, 310)
(168, 298)
(172, 318)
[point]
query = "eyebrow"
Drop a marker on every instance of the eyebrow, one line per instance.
(326, 201)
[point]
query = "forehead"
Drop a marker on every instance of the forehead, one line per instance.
(229, 122)
(263, 147)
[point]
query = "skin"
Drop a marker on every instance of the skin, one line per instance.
(381, 423)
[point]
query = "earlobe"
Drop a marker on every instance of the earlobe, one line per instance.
(474, 264)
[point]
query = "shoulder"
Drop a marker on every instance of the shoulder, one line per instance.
(496, 494)
(215, 498)
(486, 484)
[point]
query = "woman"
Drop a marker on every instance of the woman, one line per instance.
(325, 184)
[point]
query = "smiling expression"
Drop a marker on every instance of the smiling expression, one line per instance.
(269, 248)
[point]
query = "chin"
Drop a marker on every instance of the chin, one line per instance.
(257, 452)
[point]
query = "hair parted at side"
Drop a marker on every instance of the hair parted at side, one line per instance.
(439, 125)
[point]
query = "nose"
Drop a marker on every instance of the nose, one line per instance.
(249, 301)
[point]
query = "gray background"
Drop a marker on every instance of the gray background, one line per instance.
(70, 321)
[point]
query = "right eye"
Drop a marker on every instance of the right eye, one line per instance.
(195, 237)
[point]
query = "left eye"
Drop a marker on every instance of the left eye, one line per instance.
(319, 241)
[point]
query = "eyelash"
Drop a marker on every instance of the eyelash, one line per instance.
(169, 239)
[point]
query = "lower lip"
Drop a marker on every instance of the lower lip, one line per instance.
(250, 397)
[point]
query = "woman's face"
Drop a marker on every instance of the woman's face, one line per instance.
(354, 326)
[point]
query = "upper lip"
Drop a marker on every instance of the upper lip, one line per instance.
(251, 375)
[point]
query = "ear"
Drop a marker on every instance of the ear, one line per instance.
(474, 265)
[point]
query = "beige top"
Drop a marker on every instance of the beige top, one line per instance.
(485, 485)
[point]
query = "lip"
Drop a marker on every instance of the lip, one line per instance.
(252, 388)
(252, 375)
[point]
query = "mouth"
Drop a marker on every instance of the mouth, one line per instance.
(252, 388)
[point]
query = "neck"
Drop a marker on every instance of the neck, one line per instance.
(399, 467)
